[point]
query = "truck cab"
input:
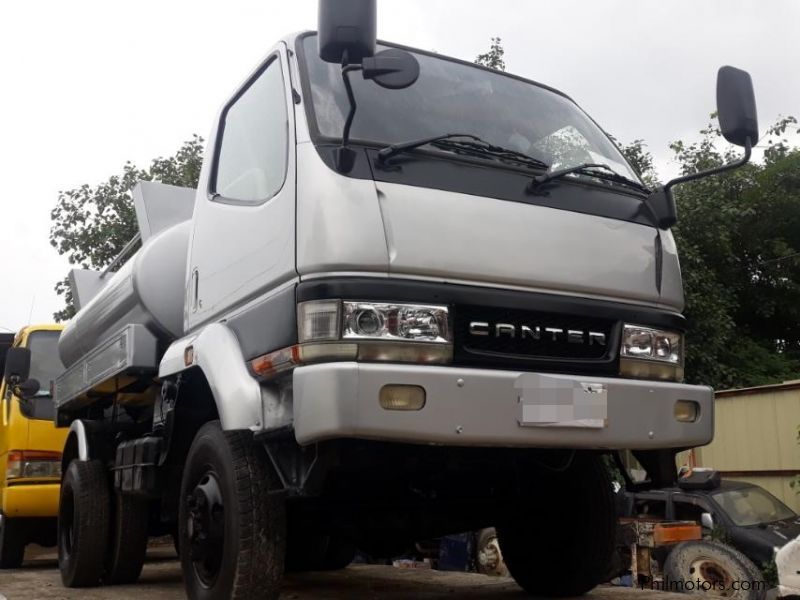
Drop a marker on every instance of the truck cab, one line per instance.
(409, 294)
(30, 447)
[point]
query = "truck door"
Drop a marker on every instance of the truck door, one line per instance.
(244, 222)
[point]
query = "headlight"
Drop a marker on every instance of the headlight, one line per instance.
(330, 330)
(396, 322)
(647, 353)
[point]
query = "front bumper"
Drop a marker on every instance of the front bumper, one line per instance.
(31, 500)
(481, 407)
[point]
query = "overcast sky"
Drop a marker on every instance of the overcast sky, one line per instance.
(87, 85)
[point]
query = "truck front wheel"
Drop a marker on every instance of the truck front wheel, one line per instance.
(557, 538)
(232, 526)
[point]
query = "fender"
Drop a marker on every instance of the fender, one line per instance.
(76, 446)
(215, 350)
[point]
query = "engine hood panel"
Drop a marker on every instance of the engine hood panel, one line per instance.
(455, 236)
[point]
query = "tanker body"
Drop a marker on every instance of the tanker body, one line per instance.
(409, 294)
(148, 290)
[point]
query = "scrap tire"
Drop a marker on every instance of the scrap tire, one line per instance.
(128, 539)
(558, 537)
(83, 523)
(12, 544)
(232, 524)
(487, 547)
(717, 565)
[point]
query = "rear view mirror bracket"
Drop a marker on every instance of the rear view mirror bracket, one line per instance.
(27, 389)
(344, 156)
(391, 69)
(661, 202)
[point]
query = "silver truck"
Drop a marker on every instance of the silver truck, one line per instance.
(410, 296)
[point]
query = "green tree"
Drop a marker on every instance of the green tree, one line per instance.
(91, 224)
(641, 159)
(494, 57)
(738, 236)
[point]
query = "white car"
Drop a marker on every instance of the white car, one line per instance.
(787, 560)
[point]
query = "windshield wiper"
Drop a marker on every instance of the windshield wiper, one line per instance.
(388, 152)
(589, 169)
(470, 145)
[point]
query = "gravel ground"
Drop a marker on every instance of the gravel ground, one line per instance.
(161, 580)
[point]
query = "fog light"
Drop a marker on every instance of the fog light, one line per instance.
(686, 411)
(402, 397)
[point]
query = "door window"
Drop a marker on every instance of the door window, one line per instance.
(252, 154)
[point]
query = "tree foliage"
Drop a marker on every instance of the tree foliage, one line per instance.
(494, 57)
(91, 224)
(738, 236)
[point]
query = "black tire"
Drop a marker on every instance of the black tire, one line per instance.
(558, 537)
(715, 568)
(128, 543)
(232, 526)
(12, 544)
(83, 520)
(309, 552)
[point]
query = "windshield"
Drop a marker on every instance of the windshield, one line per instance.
(45, 367)
(453, 97)
(752, 506)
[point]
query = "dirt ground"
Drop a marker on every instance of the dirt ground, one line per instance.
(161, 580)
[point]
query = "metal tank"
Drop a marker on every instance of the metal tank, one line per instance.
(148, 290)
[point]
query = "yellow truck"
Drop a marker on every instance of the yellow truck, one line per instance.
(30, 444)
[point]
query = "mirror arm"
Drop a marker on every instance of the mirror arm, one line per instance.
(748, 150)
(661, 205)
(344, 155)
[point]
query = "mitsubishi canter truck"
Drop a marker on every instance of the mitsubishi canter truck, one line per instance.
(410, 296)
(30, 444)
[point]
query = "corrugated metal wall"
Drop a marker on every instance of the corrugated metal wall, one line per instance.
(756, 438)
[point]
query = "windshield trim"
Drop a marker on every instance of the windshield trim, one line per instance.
(318, 138)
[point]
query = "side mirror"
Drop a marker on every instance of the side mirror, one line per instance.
(18, 365)
(707, 521)
(347, 30)
(738, 122)
(393, 68)
(736, 106)
(27, 389)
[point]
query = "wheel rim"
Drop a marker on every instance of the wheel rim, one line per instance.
(709, 571)
(205, 527)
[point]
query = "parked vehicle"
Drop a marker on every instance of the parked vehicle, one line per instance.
(743, 515)
(408, 294)
(787, 562)
(30, 444)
